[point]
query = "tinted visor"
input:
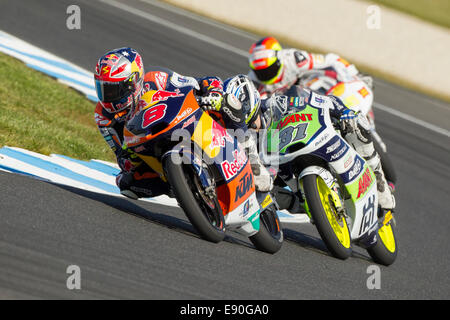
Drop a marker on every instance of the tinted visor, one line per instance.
(113, 91)
(269, 72)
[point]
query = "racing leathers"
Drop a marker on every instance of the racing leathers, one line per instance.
(296, 62)
(136, 179)
(354, 128)
(231, 110)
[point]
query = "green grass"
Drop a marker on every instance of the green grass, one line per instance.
(42, 115)
(434, 11)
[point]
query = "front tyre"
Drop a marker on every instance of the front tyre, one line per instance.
(331, 226)
(270, 236)
(205, 214)
(385, 249)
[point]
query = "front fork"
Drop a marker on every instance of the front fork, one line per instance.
(332, 184)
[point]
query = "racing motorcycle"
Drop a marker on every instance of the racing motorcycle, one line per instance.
(205, 167)
(337, 185)
(356, 95)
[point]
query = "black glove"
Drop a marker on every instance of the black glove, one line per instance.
(127, 159)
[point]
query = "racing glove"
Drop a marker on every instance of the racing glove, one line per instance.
(127, 160)
(348, 121)
(211, 91)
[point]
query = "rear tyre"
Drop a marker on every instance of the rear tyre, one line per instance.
(204, 214)
(270, 236)
(385, 250)
(332, 228)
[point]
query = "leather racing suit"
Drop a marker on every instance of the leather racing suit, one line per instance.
(296, 62)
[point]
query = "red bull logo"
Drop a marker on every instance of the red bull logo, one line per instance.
(216, 84)
(163, 95)
(231, 169)
(220, 135)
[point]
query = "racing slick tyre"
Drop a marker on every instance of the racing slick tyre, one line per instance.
(385, 249)
(331, 226)
(203, 212)
(270, 236)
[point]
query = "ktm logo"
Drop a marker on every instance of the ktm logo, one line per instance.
(364, 182)
(246, 183)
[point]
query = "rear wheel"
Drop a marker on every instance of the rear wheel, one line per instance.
(203, 211)
(385, 250)
(270, 236)
(331, 225)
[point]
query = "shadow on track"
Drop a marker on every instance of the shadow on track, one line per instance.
(129, 206)
(317, 245)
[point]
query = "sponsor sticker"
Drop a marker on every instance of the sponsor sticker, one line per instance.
(231, 168)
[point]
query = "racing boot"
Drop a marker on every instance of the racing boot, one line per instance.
(358, 135)
(386, 199)
(135, 185)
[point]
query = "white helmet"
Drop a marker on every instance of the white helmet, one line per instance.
(244, 90)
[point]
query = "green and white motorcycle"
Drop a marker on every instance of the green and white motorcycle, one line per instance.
(338, 187)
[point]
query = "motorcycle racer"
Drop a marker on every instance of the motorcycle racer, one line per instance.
(354, 128)
(274, 68)
(120, 82)
(239, 103)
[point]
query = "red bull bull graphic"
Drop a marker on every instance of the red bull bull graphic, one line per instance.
(220, 135)
(163, 95)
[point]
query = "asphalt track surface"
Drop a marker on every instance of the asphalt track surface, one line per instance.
(136, 250)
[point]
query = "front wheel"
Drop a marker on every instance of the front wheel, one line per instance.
(202, 211)
(385, 249)
(270, 236)
(331, 225)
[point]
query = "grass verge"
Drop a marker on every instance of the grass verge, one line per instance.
(40, 114)
(434, 11)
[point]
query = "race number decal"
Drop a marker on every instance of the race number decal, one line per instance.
(153, 114)
(286, 135)
(369, 215)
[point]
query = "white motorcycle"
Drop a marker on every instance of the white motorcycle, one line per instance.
(338, 187)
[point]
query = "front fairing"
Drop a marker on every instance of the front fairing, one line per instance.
(174, 122)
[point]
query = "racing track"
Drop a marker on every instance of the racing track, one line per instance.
(132, 249)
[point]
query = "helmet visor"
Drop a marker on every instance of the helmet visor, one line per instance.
(268, 74)
(112, 91)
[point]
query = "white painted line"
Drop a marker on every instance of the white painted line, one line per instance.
(287, 217)
(171, 25)
(201, 19)
(112, 165)
(81, 169)
(412, 119)
(45, 174)
(17, 44)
